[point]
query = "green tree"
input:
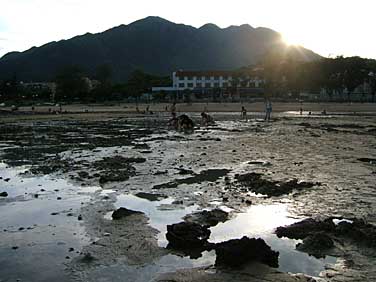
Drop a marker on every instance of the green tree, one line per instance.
(71, 84)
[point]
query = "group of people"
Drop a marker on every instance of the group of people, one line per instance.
(186, 124)
(268, 111)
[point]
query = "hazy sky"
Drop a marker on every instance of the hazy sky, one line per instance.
(328, 27)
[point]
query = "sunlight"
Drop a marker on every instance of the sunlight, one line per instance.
(291, 39)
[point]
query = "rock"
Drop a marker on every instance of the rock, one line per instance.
(356, 230)
(3, 194)
(304, 228)
(151, 196)
(236, 252)
(183, 171)
(255, 183)
(368, 160)
(316, 244)
(187, 235)
(208, 218)
(123, 212)
(87, 258)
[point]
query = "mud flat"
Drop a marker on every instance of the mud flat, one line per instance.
(287, 200)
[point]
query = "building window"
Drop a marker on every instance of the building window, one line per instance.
(181, 84)
(207, 85)
(190, 84)
(216, 84)
(224, 84)
(198, 85)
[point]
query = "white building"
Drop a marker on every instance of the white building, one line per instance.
(182, 80)
(191, 80)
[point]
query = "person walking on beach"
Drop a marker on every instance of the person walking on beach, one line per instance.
(268, 109)
(173, 108)
(244, 113)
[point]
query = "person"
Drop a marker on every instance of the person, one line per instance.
(301, 111)
(244, 113)
(323, 112)
(206, 119)
(173, 122)
(184, 123)
(173, 108)
(268, 109)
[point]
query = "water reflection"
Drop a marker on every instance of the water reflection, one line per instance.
(161, 213)
(259, 221)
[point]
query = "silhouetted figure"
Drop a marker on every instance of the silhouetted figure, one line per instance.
(206, 119)
(268, 109)
(243, 113)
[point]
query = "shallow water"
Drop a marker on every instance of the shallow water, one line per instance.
(258, 221)
(161, 213)
(37, 232)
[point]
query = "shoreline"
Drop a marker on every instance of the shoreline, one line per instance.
(258, 107)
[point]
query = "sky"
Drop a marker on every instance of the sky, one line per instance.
(328, 27)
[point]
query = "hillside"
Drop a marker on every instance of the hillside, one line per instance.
(154, 45)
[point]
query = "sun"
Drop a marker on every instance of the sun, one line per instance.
(290, 39)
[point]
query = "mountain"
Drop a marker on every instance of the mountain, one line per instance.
(153, 45)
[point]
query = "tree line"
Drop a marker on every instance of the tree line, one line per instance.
(337, 76)
(283, 75)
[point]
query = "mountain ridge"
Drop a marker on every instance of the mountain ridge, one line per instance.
(152, 44)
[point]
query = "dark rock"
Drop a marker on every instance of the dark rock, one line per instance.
(187, 235)
(316, 244)
(368, 160)
(255, 183)
(210, 175)
(87, 258)
(83, 174)
(183, 171)
(6, 179)
(357, 230)
(160, 172)
(151, 196)
(116, 175)
(208, 218)
(79, 217)
(3, 194)
(123, 212)
(236, 252)
(304, 228)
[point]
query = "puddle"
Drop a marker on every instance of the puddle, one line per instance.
(148, 272)
(39, 228)
(160, 213)
(260, 221)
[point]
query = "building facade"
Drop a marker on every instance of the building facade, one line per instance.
(190, 80)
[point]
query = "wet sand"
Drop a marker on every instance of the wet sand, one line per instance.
(62, 191)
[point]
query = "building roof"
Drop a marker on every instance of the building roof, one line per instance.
(181, 73)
